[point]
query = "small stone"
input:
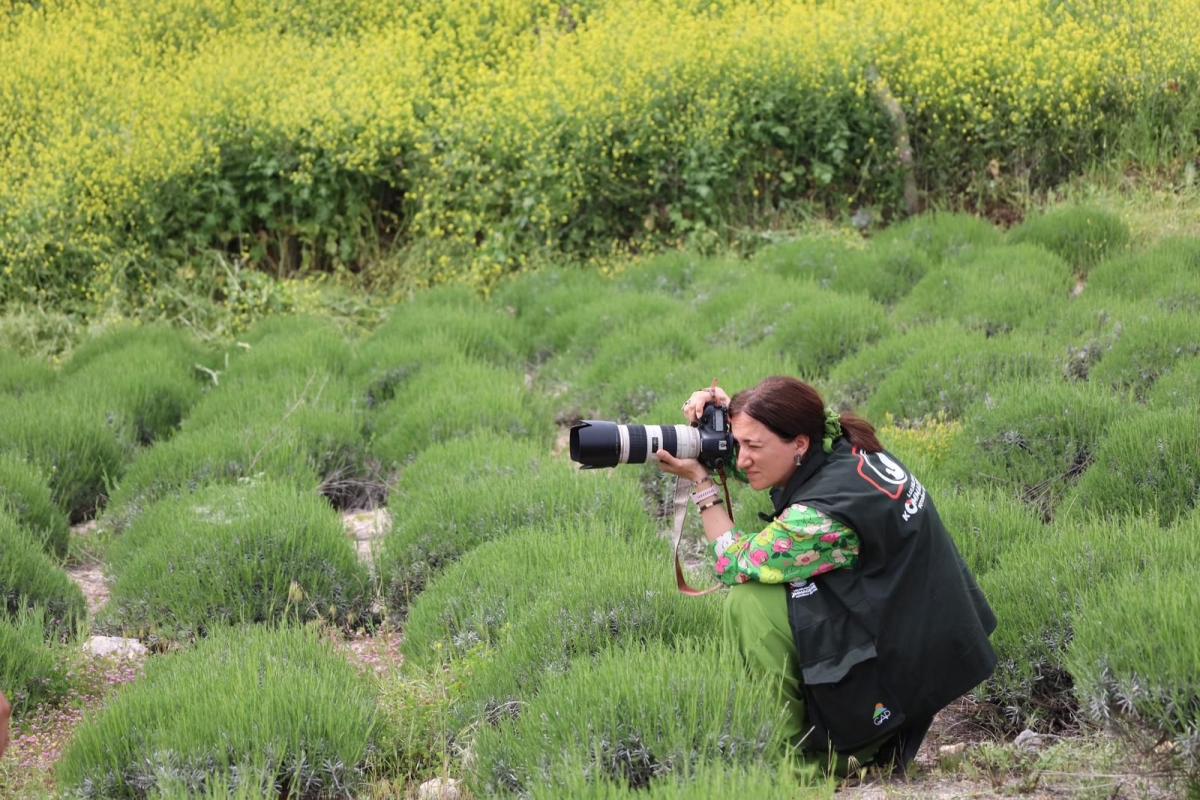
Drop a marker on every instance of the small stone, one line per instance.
(114, 645)
(439, 789)
(1028, 740)
(952, 749)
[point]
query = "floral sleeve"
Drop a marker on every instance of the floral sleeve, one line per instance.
(800, 543)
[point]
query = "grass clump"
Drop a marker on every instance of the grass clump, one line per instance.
(30, 671)
(1082, 236)
(73, 447)
(1167, 273)
(994, 290)
(269, 712)
(1032, 441)
(30, 579)
(261, 552)
(25, 497)
(945, 375)
(1144, 685)
(1151, 346)
(1147, 464)
(470, 396)
(19, 375)
(458, 495)
(1037, 592)
(609, 723)
(985, 524)
(943, 236)
(142, 381)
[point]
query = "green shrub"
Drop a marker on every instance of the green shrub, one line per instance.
(821, 328)
(815, 258)
(459, 494)
(73, 447)
(740, 307)
(1179, 387)
(142, 381)
(985, 524)
(454, 400)
(261, 552)
(1082, 236)
(30, 671)
(1032, 440)
(670, 274)
(1037, 591)
(942, 236)
(1135, 657)
(1149, 347)
(994, 290)
(277, 712)
(228, 455)
(853, 380)
(947, 374)
(886, 271)
(292, 345)
(631, 718)
(476, 599)
(20, 375)
(25, 496)
(29, 579)
(453, 317)
(552, 305)
(1147, 464)
(1167, 273)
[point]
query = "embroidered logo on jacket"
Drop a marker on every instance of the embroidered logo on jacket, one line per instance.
(881, 714)
(881, 472)
(802, 589)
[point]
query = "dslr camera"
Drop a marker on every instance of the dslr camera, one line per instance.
(596, 443)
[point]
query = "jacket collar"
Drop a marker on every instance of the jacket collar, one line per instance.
(781, 498)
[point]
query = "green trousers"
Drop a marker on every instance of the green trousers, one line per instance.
(755, 619)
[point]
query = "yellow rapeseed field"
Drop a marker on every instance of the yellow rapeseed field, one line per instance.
(136, 134)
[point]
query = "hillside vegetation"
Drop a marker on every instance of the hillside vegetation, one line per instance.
(1055, 427)
(152, 150)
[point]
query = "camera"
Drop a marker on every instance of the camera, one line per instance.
(595, 443)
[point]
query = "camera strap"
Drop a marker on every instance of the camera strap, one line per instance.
(681, 505)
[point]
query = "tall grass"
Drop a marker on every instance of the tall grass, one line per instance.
(25, 497)
(609, 723)
(262, 552)
(255, 710)
(29, 579)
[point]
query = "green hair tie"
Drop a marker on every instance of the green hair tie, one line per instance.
(833, 428)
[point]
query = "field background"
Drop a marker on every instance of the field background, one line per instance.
(299, 298)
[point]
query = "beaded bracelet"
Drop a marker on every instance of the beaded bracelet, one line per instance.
(717, 502)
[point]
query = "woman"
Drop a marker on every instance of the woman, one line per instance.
(854, 596)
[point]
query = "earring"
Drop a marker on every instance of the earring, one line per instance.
(799, 459)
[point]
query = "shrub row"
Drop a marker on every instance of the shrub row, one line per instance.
(25, 497)
(227, 555)
(30, 671)
(254, 711)
(29, 579)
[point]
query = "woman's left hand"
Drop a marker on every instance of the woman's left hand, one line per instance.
(688, 468)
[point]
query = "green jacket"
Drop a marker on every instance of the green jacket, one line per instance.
(886, 645)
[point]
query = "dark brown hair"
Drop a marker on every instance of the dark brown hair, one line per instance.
(790, 407)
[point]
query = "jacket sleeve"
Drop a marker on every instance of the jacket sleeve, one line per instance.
(800, 543)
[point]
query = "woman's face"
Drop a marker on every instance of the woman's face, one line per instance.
(766, 459)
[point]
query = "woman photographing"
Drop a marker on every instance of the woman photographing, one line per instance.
(853, 597)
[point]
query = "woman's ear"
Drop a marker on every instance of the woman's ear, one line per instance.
(801, 442)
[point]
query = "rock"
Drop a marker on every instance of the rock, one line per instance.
(952, 749)
(114, 645)
(1028, 740)
(439, 789)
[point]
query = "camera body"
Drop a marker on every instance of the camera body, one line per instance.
(597, 443)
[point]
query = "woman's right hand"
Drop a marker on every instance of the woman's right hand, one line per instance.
(694, 407)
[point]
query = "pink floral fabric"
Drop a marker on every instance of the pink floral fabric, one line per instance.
(800, 543)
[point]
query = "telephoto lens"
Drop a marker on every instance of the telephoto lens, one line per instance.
(595, 443)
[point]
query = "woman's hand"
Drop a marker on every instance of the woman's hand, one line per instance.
(694, 407)
(688, 468)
